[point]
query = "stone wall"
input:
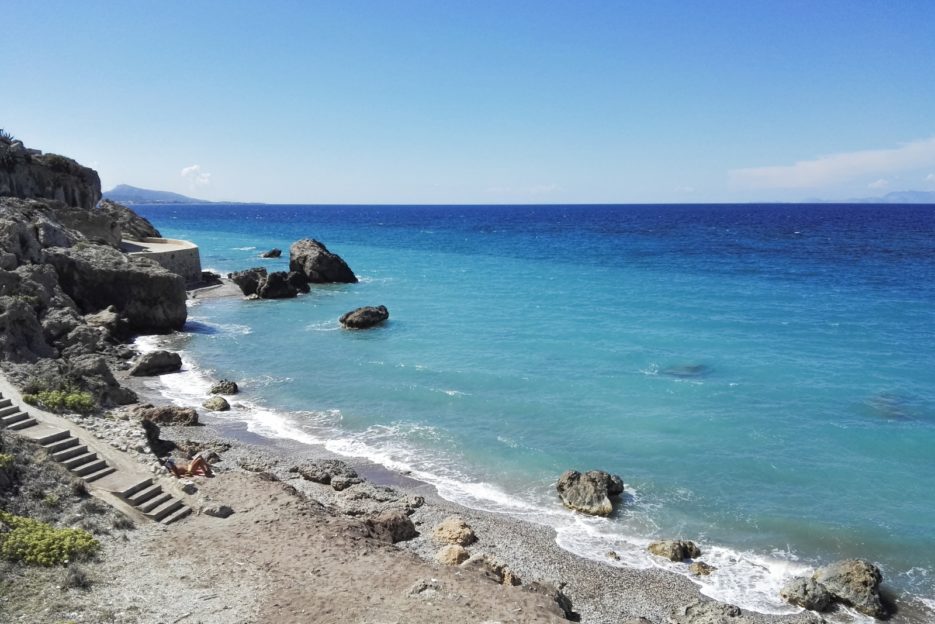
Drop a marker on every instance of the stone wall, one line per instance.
(178, 256)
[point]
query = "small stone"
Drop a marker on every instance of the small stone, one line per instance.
(700, 568)
(188, 486)
(613, 555)
(217, 511)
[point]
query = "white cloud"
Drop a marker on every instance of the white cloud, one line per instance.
(834, 168)
(930, 177)
(195, 176)
(879, 184)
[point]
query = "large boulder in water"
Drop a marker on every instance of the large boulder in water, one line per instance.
(675, 550)
(276, 286)
(855, 583)
(249, 280)
(589, 492)
(156, 363)
(318, 264)
(365, 317)
(807, 593)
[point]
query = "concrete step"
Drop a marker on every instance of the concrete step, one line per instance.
(90, 467)
(61, 445)
(166, 509)
(13, 417)
(144, 495)
(72, 451)
(54, 437)
(5, 402)
(22, 424)
(154, 502)
(79, 460)
(94, 476)
(136, 487)
(177, 515)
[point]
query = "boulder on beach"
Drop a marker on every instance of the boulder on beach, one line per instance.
(808, 594)
(275, 252)
(168, 415)
(225, 386)
(319, 265)
(391, 526)
(675, 550)
(700, 568)
(589, 492)
(156, 363)
(452, 554)
(855, 583)
(365, 317)
(454, 530)
(216, 404)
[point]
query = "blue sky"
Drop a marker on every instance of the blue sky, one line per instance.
(480, 102)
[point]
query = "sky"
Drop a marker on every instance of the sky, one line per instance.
(480, 101)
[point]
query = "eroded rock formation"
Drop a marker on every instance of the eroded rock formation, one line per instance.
(589, 492)
(319, 265)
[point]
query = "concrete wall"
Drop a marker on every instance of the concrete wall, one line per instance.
(178, 256)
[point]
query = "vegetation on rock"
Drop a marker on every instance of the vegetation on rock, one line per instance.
(68, 399)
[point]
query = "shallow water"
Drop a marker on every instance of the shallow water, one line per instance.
(760, 376)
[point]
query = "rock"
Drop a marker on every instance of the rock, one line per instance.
(452, 554)
(132, 226)
(706, 612)
(365, 317)
(425, 589)
(319, 265)
(97, 379)
(298, 281)
(563, 606)
(168, 415)
(272, 253)
(807, 593)
(674, 550)
(216, 404)
(453, 530)
(150, 298)
(188, 486)
(156, 363)
(108, 318)
(612, 554)
(323, 471)
(391, 526)
(700, 568)
(854, 582)
(491, 568)
(249, 280)
(341, 482)
(160, 448)
(589, 492)
(217, 511)
(225, 386)
(276, 286)
(21, 336)
(30, 174)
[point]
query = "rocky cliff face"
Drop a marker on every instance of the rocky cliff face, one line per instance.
(68, 297)
(29, 173)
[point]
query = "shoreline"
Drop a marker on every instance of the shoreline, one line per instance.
(594, 586)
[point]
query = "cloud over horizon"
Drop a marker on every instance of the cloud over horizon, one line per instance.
(834, 168)
(195, 176)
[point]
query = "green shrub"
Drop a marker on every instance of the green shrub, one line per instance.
(36, 542)
(65, 400)
(6, 460)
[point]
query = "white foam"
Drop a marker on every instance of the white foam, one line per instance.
(243, 248)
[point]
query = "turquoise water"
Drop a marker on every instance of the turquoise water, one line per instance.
(762, 377)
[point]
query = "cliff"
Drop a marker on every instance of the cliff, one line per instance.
(27, 173)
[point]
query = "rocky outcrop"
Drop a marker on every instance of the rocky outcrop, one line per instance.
(319, 265)
(26, 174)
(276, 286)
(492, 568)
(391, 526)
(156, 363)
(298, 281)
(808, 594)
(248, 280)
(275, 252)
(589, 492)
(333, 472)
(454, 530)
(225, 386)
(150, 298)
(132, 226)
(170, 415)
(365, 317)
(675, 550)
(855, 583)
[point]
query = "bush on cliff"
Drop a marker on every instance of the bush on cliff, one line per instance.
(36, 542)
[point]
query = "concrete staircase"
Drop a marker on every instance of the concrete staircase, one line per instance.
(154, 502)
(12, 417)
(68, 450)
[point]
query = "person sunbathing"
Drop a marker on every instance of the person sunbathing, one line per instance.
(182, 468)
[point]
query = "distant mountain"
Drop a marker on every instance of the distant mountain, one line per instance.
(895, 197)
(126, 194)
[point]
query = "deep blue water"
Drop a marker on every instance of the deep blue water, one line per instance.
(761, 376)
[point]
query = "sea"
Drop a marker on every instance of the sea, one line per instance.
(762, 377)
